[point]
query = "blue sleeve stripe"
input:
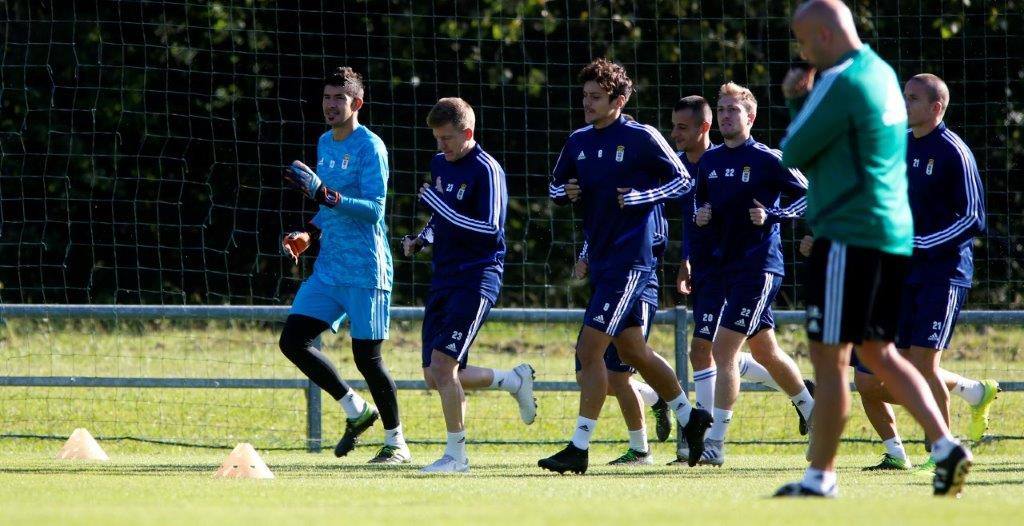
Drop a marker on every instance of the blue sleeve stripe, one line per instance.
(427, 234)
(798, 176)
(973, 213)
(660, 141)
(675, 188)
(494, 180)
(431, 198)
(660, 224)
(795, 209)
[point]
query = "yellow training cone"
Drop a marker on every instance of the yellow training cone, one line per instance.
(244, 463)
(82, 446)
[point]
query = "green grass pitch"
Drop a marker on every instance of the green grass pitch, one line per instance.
(146, 483)
(503, 487)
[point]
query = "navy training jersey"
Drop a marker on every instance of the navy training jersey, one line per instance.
(698, 243)
(469, 199)
(624, 154)
(948, 205)
(730, 179)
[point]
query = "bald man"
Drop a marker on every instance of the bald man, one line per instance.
(848, 135)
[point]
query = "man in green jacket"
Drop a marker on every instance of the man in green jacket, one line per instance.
(848, 135)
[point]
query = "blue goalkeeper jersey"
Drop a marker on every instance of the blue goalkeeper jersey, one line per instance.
(948, 205)
(698, 243)
(730, 179)
(354, 249)
(624, 154)
(468, 198)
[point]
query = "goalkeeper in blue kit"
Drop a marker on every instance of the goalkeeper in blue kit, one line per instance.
(352, 276)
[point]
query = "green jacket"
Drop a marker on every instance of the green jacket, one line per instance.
(849, 137)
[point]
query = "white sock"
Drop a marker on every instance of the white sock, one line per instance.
(506, 380)
(394, 437)
(646, 392)
(353, 404)
(970, 390)
(894, 447)
(682, 408)
(723, 417)
(819, 480)
(752, 371)
(638, 440)
(456, 446)
(704, 384)
(942, 447)
(584, 430)
(804, 403)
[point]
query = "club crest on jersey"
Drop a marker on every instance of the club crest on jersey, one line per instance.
(931, 166)
(582, 156)
(344, 161)
(745, 176)
(620, 152)
(462, 191)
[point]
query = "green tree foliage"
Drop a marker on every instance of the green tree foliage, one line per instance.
(141, 142)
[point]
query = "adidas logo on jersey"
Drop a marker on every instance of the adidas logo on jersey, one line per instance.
(451, 347)
(599, 318)
(934, 337)
(581, 156)
(705, 330)
(741, 323)
(713, 175)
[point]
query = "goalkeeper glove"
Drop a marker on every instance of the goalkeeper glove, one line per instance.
(302, 178)
(295, 243)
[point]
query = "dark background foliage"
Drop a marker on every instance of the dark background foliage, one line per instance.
(141, 142)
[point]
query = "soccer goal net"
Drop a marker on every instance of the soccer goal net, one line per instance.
(141, 148)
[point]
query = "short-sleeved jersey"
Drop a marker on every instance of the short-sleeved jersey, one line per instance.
(730, 179)
(354, 247)
(698, 243)
(469, 199)
(848, 136)
(624, 154)
(948, 204)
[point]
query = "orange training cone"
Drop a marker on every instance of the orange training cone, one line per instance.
(82, 446)
(244, 463)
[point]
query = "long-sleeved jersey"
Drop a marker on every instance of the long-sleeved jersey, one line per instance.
(730, 179)
(698, 245)
(848, 136)
(354, 249)
(948, 204)
(624, 154)
(469, 199)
